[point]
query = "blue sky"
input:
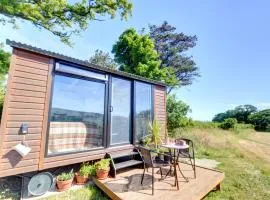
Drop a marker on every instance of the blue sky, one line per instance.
(232, 52)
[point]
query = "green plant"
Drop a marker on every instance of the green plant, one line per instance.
(84, 169)
(154, 136)
(91, 170)
(228, 123)
(103, 164)
(64, 176)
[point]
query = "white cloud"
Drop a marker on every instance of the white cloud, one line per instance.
(263, 105)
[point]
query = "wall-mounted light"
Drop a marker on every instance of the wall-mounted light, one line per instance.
(24, 128)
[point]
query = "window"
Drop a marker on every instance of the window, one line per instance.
(143, 107)
(77, 115)
(120, 111)
(81, 72)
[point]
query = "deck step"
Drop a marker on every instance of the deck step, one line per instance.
(128, 163)
(124, 154)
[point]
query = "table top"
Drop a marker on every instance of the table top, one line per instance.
(175, 146)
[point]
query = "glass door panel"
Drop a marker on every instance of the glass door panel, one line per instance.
(77, 115)
(120, 111)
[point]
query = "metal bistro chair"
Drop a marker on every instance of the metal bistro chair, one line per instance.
(149, 162)
(188, 153)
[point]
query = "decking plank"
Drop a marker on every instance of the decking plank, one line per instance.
(126, 185)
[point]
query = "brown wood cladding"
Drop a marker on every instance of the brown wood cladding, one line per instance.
(24, 102)
(160, 108)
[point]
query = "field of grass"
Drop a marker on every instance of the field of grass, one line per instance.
(244, 157)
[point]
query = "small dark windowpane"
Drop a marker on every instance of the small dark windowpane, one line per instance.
(77, 115)
(143, 94)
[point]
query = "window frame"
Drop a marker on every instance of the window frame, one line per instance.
(65, 74)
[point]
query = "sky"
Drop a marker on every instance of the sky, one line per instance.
(233, 49)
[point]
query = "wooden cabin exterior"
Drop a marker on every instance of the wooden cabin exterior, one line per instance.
(74, 111)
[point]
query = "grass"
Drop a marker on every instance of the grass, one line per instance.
(247, 176)
(86, 193)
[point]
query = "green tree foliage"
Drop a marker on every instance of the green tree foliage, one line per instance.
(228, 123)
(136, 54)
(261, 120)
(4, 67)
(177, 112)
(61, 17)
(241, 113)
(172, 47)
(4, 60)
(103, 59)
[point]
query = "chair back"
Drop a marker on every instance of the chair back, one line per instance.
(146, 156)
(189, 143)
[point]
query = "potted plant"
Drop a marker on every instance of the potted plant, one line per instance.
(153, 140)
(64, 181)
(82, 176)
(102, 168)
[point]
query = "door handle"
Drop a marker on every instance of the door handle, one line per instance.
(111, 108)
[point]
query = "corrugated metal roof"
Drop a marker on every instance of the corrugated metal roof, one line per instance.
(79, 62)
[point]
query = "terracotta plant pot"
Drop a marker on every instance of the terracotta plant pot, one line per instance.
(102, 174)
(63, 185)
(80, 180)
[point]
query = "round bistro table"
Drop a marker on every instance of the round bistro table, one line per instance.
(175, 147)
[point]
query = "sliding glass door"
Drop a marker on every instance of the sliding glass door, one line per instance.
(77, 115)
(120, 111)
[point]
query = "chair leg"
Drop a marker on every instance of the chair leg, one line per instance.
(182, 173)
(194, 167)
(143, 175)
(153, 180)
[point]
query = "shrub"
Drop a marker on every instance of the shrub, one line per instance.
(64, 176)
(228, 123)
(261, 120)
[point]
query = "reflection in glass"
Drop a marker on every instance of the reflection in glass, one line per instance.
(143, 94)
(77, 115)
(120, 115)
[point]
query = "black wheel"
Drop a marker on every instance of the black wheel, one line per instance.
(40, 183)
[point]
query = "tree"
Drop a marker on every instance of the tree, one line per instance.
(4, 67)
(61, 17)
(177, 112)
(103, 59)
(261, 120)
(136, 54)
(172, 47)
(241, 113)
(4, 60)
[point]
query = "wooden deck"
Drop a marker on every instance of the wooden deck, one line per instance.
(126, 185)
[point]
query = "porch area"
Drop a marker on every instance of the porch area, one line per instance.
(127, 184)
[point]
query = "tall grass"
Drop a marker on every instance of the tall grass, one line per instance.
(247, 176)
